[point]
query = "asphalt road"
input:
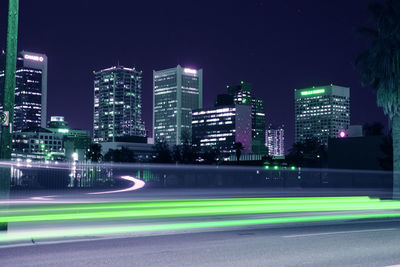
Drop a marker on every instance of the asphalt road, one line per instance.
(352, 244)
(334, 243)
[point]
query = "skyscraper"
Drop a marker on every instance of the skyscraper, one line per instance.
(176, 92)
(117, 104)
(242, 95)
(221, 127)
(275, 141)
(258, 126)
(321, 112)
(30, 107)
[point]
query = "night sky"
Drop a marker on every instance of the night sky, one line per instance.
(276, 45)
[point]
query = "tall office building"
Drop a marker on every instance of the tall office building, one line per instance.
(176, 92)
(117, 105)
(275, 141)
(30, 105)
(258, 126)
(221, 127)
(242, 95)
(321, 112)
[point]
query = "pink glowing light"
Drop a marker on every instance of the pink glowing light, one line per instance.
(342, 134)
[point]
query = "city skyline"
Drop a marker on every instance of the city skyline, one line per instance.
(273, 71)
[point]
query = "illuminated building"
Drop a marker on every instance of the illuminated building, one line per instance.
(117, 104)
(75, 140)
(321, 112)
(275, 141)
(258, 126)
(242, 95)
(176, 92)
(38, 144)
(57, 142)
(221, 127)
(30, 105)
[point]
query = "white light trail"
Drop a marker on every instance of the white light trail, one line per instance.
(137, 184)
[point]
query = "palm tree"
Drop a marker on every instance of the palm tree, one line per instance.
(238, 146)
(94, 152)
(380, 68)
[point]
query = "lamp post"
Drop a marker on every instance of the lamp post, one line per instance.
(8, 99)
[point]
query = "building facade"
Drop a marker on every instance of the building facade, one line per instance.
(117, 104)
(321, 113)
(38, 144)
(57, 142)
(258, 126)
(221, 127)
(30, 107)
(176, 92)
(275, 141)
(242, 95)
(75, 140)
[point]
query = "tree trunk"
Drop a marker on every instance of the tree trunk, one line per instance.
(396, 156)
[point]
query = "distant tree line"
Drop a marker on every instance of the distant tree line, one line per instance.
(308, 154)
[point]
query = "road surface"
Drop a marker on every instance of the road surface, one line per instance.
(352, 244)
(230, 235)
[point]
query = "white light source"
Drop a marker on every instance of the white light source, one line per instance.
(34, 58)
(56, 118)
(191, 71)
(63, 130)
(75, 156)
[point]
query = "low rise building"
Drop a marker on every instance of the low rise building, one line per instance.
(38, 144)
(76, 142)
(57, 142)
(221, 127)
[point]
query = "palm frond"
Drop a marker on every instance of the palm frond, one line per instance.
(380, 64)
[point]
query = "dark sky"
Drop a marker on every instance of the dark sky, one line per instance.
(276, 45)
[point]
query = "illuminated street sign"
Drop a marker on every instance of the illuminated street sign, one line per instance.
(4, 118)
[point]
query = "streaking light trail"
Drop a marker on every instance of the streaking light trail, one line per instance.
(191, 208)
(10, 237)
(202, 213)
(137, 184)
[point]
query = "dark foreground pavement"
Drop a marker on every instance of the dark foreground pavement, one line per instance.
(335, 243)
(372, 243)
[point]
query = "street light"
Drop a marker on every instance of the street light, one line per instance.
(8, 100)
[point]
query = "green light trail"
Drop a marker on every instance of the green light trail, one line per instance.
(189, 208)
(10, 237)
(188, 203)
